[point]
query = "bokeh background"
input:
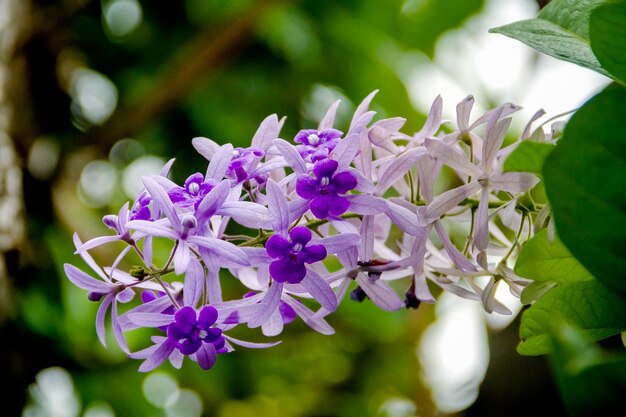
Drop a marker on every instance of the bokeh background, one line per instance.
(94, 94)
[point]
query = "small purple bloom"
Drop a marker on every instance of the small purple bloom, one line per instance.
(193, 192)
(190, 333)
(317, 144)
(140, 209)
(292, 255)
(244, 161)
(324, 190)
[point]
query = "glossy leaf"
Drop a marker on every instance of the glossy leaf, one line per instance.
(584, 179)
(541, 260)
(588, 304)
(607, 29)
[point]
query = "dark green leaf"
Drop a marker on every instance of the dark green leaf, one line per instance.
(608, 38)
(591, 380)
(584, 179)
(541, 260)
(572, 15)
(528, 157)
(588, 304)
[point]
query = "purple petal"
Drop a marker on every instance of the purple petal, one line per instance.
(447, 201)
(362, 107)
(206, 356)
(152, 228)
(287, 270)
(345, 151)
(219, 163)
(117, 329)
(306, 186)
(194, 283)
(344, 182)
(92, 243)
(513, 182)
(325, 168)
(400, 166)
(451, 156)
(494, 136)
(463, 110)
(274, 325)
(481, 230)
(213, 284)
(186, 318)
(366, 204)
(405, 219)
(315, 253)
(329, 118)
(207, 316)
(268, 305)
(100, 317)
(366, 248)
(380, 293)
(158, 356)
(300, 234)
(205, 147)
(320, 290)
(84, 281)
(457, 257)
(160, 197)
(246, 213)
(291, 155)
(277, 246)
(150, 319)
(277, 204)
(433, 121)
(212, 201)
(225, 251)
(182, 257)
(87, 258)
(268, 131)
(337, 243)
(316, 323)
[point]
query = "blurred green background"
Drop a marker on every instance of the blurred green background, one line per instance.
(95, 93)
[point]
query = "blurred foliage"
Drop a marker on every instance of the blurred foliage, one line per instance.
(211, 68)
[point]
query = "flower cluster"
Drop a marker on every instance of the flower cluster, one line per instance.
(328, 213)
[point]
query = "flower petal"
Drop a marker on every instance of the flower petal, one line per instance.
(320, 290)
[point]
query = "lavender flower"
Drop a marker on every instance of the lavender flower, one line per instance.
(326, 190)
(193, 334)
(316, 145)
(196, 187)
(292, 254)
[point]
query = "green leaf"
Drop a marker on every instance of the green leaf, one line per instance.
(587, 304)
(592, 381)
(541, 260)
(528, 157)
(559, 30)
(572, 15)
(584, 180)
(608, 38)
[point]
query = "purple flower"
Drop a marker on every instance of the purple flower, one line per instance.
(317, 144)
(193, 192)
(140, 209)
(324, 190)
(292, 255)
(191, 333)
(245, 161)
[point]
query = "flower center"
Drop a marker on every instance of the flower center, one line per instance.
(236, 153)
(325, 181)
(297, 247)
(189, 222)
(194, 187)
(313, 139)
(203, 334)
